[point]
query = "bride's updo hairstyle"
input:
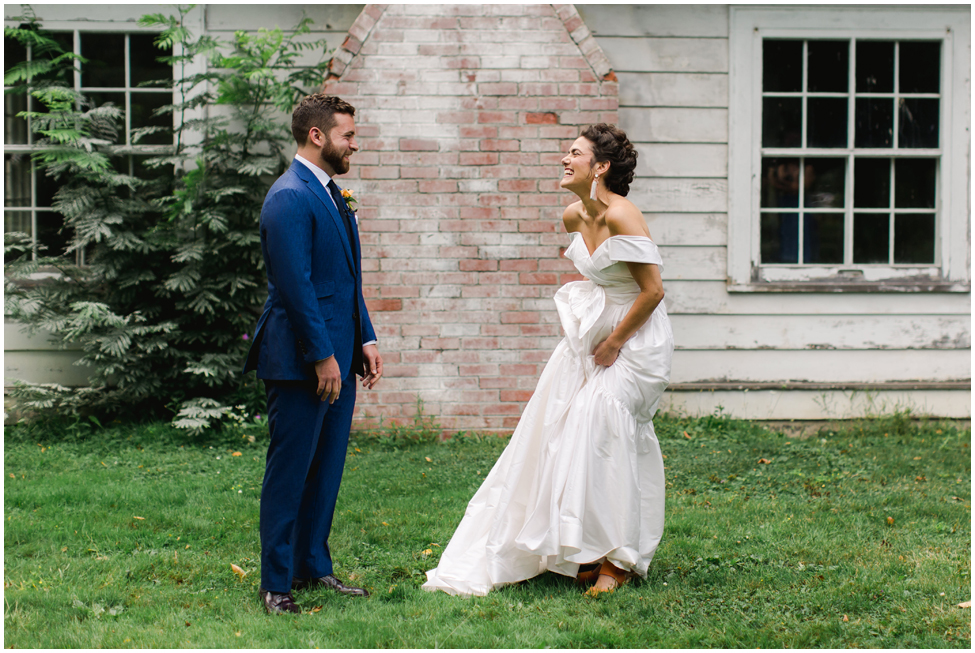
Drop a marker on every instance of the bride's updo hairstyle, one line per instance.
(609, 143)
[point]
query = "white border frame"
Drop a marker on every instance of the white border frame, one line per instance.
(748, 25)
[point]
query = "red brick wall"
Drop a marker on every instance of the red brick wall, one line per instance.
(463, 114)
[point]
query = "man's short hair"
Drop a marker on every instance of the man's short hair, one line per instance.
(317, 110)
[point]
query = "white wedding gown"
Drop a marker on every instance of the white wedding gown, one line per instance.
(582, 478)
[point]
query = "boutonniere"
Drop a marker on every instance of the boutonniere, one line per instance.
(350, 200)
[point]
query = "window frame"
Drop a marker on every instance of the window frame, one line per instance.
(127, 148)
(748, 27)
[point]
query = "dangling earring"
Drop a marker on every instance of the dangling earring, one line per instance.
(592, 189)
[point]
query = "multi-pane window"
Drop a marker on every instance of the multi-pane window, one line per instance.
(850, 151)
(119, 67)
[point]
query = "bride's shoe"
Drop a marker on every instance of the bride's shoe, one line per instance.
(588, 576)
(610, 570)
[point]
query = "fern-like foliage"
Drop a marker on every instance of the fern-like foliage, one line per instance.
(173, 277)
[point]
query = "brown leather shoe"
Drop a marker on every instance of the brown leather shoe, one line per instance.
(331, 582)
(278, 603)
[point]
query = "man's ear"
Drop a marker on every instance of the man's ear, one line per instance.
(316, 136)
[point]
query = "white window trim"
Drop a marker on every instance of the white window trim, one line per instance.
(748, 26)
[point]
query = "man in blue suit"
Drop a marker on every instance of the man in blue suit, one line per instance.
(312, 339)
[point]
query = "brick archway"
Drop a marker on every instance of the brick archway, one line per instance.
(463, 113)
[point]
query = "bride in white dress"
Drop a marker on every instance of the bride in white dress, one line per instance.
(582, 479)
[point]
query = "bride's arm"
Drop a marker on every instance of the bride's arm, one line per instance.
(647, 276)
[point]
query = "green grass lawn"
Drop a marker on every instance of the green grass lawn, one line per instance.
(859, 537)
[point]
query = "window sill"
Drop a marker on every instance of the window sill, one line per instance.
(845, 285)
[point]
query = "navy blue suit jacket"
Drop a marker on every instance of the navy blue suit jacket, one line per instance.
(314, 287)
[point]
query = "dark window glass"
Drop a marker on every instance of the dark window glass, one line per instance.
(780, 238)
(64, 40)
(46, 188)
(871, 238)
(918, 123)
(106, 60)
(16, 186)
(828, 66)
(143, 66)
(871, 183)
(51, 233)
(781, 122)
(825, 183)
(822, 238)
(781, 66)
(16, 221)
(920, 66)
(14, 127)
(915, 183)
(914, 238)
(780, 183)
(143, 106)
(874, 122)
(101, 98)
(826, 122)
(875, 67)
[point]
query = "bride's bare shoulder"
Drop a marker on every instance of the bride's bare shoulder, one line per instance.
(572, 216)
(623, 218)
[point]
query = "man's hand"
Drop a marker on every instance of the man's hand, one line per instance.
(329, 379)
(373, 363)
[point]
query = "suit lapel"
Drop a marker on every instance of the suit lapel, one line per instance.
(322, 194)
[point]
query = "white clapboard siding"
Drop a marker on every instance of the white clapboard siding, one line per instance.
(823, 332)
(712, 298)
(673, 90)
(818, 404)
(656, 20)
(682, 160)
(694, 263)
(675, 125)
(655, 195)
(88, 13)
(829, 366)
(688, 229)
(327, 17)
(44, 367)
(669, 55)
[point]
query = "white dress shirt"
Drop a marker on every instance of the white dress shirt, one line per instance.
(324, 178)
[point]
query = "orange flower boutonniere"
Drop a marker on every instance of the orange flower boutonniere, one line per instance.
(350, 200)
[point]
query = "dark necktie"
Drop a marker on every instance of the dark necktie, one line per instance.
(343, 208)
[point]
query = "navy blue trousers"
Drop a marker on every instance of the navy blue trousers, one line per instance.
(305, 459)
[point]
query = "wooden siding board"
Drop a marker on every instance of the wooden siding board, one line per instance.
(673, 90)
(712, 297)
(655, 195)
(698, 160)
(675, 125)
(829, 366)
(823, 332)
(327, 17)
(693, 263)
(818, 405)
(688, 229)
(44, 367)
(655, 20)
(649, 55)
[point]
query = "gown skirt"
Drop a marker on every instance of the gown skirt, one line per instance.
(582, 479)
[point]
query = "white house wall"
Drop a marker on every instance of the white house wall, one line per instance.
(673, 62)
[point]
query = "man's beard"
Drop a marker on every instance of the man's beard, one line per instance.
(334, 158)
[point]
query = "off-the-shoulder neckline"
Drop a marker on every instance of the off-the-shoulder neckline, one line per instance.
(586, 245)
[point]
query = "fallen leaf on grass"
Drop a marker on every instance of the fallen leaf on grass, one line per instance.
(237, 570)
(917, 457)
(428, 459)
(890, 521)
(427, 552)
(966, 604)
(317, 608)
(139, 518)
(687, 436)
(12, 475)
(845, 618)
(385, 524)
(236, 453)
(764, 461)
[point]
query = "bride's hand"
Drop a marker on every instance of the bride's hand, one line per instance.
(605, 354)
